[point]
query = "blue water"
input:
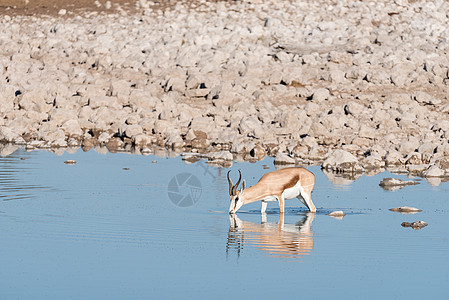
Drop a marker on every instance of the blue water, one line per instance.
(106, 228)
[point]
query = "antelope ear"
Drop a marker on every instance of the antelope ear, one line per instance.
(243, 186)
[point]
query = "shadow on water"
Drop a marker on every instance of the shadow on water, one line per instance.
(288, 241)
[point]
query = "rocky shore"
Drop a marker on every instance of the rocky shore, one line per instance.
(354, 86)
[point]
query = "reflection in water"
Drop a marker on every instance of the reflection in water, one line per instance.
(341, 179)
(278, 240)
(11, 186)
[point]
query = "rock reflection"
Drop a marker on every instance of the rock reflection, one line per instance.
(278, 240)
(341, 179)
(434, 181)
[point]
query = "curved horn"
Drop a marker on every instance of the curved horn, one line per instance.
(231, 185)
(234, 188)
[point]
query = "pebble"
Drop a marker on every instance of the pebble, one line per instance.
(406, 210)
(70, 162)
(415, 225)
(283, 159)
(337, 214)
(395, 183)
(433, 171)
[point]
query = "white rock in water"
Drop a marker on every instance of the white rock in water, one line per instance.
(415, 225)
(406, 210)
(337, 214)
(222, 155)
(433, 171)
(191, 156)
(396, 182)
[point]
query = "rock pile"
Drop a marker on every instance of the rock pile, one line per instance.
(299, 78)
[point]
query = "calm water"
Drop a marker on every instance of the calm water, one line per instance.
(108, 228)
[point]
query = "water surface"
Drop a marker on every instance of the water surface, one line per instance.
(108, 228)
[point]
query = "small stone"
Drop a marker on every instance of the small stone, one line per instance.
(406, 210)
(354, 108)
(393, 157)
(373, 162)
(70, 162)
(257, 152)
(424, 98)
(337, 214)
(415, 225)
(433, 171)
(190, 157)
(320, 95)
(392, 184)
(222, 155)
(154, 162)
(342, 161)
(283, 159)
(197, 93)
(146, 151)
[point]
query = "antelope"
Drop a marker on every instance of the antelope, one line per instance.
(274, 186)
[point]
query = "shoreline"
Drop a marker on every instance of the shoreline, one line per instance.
(367, 86)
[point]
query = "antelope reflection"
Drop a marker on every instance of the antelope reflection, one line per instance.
(278, 240)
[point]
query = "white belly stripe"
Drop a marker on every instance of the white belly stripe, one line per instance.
(287, 194)
(293, 191)
(270, 198)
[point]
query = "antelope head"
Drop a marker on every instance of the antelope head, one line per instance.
(235, 194)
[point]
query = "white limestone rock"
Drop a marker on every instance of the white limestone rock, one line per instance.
(433, 171)
(392, 184)
(222, 155)
(406, 210)
(283, 159)
(321, 95)
(342, 161)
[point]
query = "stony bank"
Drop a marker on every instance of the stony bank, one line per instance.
(356, 85)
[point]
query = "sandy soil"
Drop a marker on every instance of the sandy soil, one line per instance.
(52, 7)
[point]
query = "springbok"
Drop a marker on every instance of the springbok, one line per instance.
(274, 186)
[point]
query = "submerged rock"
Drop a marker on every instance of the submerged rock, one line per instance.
(415, 225)
(339, 214)
(406, 210)
(392, 184)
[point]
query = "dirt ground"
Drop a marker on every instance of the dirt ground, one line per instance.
(52, 7)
